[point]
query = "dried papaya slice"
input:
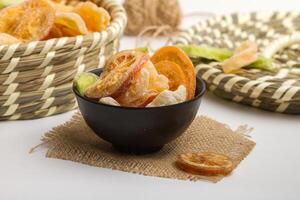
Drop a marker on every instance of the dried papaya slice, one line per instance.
(206, 163)
(244, 55)
(6, 39)
(28, 21)
(176, 55)
(69, 24)
(173, 72)
(96, 18)
(117, 81)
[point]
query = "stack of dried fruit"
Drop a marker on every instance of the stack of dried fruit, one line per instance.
(34, 20)
(132, 79)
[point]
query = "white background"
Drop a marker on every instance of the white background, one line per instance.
(271, 171)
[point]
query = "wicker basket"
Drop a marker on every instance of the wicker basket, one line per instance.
(36, 78)
(277, 91)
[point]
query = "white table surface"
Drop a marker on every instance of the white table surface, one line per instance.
(271, 171)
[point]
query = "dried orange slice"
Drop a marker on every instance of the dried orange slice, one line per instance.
(70, 24)
(28, 21)
(207, 164)
(6, 39)
(176, 55)
(243, 55)
(96, 18)
(119, 78)
(173, 72)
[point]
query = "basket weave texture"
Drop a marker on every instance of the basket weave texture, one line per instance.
(36, 78)
(277, 91)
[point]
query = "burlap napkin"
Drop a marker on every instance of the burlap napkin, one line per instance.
(75, 141)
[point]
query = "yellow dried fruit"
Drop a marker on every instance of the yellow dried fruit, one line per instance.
(96, 18)
(28, 21)
(6, 39)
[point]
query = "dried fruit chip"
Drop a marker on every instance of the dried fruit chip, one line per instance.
(207, 164)
(136, 91)
(173, 72)
(60, 6)
(115, 82)
(109, 101)
(96, 18)
(69, 24)
(174, 54)
(244, 55)
(168, 97)
(8, 39)
(83, 81)
(28, 21)
(157, 82)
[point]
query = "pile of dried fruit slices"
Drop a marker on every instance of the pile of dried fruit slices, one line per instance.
(34, 20)
(132, 78)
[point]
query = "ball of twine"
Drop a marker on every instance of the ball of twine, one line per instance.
(160, 17)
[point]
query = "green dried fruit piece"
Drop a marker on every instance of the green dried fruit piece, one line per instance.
(83, 81)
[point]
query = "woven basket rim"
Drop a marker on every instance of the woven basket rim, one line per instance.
(115, 28)
(233, 83)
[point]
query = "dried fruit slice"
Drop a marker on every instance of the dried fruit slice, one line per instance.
(243, 55)
(60, 6)
(175, 54)
(115, 82)
(109, 101)
(69, 24)
(207, 164)
(168, 97)
(173, 72)
(28, 21)
(157, 82)
(136, 91)
(96, 18)
(6, 39)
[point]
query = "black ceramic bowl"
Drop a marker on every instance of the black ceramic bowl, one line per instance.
(139, 130)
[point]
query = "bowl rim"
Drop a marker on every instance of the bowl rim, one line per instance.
(196, 98)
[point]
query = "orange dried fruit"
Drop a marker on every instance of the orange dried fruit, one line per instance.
(96, 18)
(116, 81)
(206, 163)
(69, 24)
(173, 72)
(6, 39)
(176, 55)
(244, 55)
(28, 21)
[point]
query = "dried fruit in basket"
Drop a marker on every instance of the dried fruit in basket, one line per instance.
(5, 3)
(28, 21)
(83, 81)
(60, 6)
(96, 18)
(206, 163)
(68, 24)
(6, 39)
(244, 55)
(175, 54)
(168, 97)
(173, 72)
(115, 82)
